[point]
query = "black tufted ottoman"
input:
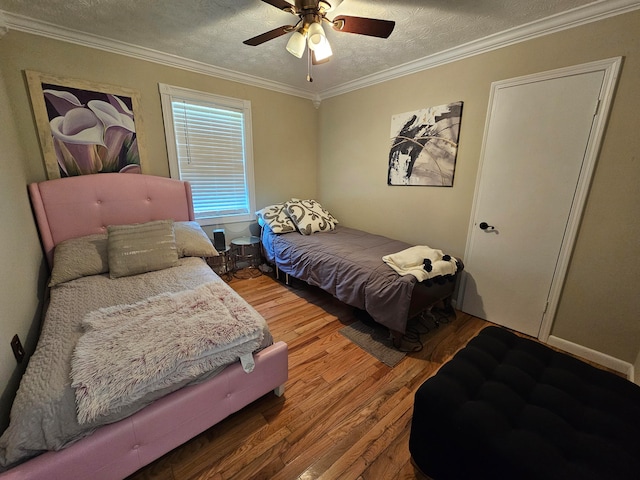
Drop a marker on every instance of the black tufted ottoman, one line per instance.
(505, 407)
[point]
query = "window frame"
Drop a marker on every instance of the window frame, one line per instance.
(168, 94)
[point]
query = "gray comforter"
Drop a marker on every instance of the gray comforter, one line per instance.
(348, 264)
(43, 416)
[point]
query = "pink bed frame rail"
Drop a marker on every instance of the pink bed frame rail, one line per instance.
(121, 448)
(77, 206)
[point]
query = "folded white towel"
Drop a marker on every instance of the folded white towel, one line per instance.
(412, 262)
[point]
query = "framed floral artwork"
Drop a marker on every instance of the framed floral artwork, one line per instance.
(86, 127)
(424, 146)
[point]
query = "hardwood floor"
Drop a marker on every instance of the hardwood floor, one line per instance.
(344, 414)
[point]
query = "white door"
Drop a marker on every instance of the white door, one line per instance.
(539, 134)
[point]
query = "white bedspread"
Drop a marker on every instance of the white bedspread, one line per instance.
(412, 262)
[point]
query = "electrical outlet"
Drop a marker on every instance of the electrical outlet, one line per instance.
(16, 346)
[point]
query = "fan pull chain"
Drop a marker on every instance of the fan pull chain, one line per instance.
(309, 79)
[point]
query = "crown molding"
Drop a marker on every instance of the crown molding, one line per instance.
(555, 23)
(45, 29)
(4, 26)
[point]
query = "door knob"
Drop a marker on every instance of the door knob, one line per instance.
(485, 226)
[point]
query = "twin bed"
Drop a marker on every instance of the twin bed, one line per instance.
(354, 266)
(81, 434)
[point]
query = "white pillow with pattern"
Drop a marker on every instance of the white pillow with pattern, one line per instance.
(277, 218)
(310, 217)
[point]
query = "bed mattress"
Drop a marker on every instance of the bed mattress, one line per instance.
(348, 264)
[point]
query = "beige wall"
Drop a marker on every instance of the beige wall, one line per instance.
(600, 304)
(282, 124)
(20, 257)
(281, 167)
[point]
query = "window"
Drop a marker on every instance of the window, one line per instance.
(209, 145)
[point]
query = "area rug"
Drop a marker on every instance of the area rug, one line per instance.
(373, 340)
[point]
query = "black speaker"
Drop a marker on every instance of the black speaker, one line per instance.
(218, 240)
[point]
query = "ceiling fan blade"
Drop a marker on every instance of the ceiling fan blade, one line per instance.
(364, 26)
(281, 4)
(270, 35)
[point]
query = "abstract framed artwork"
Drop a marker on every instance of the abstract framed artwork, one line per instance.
(86, 127)
(424, 146)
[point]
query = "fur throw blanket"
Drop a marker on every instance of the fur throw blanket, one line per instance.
(422, 262)
(128, 351)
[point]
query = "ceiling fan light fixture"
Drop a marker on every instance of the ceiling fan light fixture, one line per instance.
(328, 6)
(315, 36)
(323, 51)
(296, 44)
(308, 33)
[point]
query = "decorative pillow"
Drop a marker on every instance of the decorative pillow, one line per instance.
(277, 218)
(191, 240)
(79, 257)
(310, 217)
(140, 248)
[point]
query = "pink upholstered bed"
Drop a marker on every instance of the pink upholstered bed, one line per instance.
(80, 206)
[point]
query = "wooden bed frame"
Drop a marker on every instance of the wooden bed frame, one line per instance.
(77, 206)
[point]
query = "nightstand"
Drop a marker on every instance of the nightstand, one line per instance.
(223, 264)
(246, 256)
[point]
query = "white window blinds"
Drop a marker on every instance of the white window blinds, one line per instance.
(211, 150)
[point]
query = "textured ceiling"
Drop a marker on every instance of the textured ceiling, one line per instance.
(212, 31)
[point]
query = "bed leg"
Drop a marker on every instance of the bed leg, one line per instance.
(286, 276)
(279, 391)
(396, 338)
(448, 306)
(428, 314)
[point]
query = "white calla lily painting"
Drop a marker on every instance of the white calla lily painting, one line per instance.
(85, 128)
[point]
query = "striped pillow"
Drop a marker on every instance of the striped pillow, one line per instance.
(140, 248)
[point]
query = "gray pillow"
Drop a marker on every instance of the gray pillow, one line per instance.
(192, 241)
(79, 257)
(141, 248)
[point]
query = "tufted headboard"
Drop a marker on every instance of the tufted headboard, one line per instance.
(76, 206)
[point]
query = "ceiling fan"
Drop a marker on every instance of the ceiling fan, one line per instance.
(308, 32)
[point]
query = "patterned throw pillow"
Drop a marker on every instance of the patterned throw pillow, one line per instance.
(310, 217)
(277, 218)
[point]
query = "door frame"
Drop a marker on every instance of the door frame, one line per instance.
(611, 68)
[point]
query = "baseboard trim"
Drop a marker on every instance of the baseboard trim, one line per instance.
(625, 368)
